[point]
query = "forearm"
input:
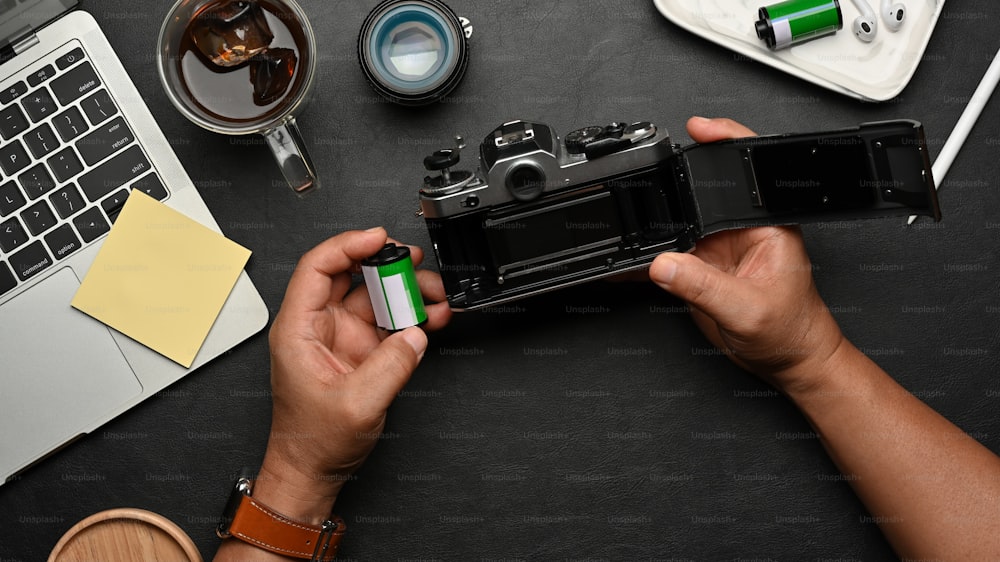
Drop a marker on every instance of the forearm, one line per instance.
(934, 491)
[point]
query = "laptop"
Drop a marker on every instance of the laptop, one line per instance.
(75, 138)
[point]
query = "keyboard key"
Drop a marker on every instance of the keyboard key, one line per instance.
(11, 198)
(38, 218)
(113, 205)
(12, 92)
(13, 158)
(12, 235)
(67, 201)
(31, 260)
(65, 164)
(114, 173)
(105, 141)
(36, 181)
(152, 186)
(69, 59)
(62, 241)
(41, 140)
(12, 122)
(99, 107)
(7, 281)
(70, 124)
(39, 104)
(76, 82)
(41, 75)
(91, 224)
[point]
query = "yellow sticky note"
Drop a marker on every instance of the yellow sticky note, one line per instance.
(161, 278)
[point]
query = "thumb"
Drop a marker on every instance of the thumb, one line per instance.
(388, 367)
(710, 130)
(710, 290)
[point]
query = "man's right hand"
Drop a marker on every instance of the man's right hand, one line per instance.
(751, 292)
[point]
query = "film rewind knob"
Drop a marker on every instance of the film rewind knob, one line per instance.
(442, 160)
(449, 181)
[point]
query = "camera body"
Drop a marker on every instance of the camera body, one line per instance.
(542, 212)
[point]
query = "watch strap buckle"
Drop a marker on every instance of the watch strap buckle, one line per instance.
(242, 488)
(331, 528)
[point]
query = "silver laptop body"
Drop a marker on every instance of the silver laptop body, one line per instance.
(63, 374)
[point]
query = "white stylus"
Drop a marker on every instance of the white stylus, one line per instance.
(965, 124)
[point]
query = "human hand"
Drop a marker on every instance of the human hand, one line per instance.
(751, 292)
(333, 376)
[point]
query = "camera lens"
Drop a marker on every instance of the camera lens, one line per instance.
(413, 52)
(526, 182)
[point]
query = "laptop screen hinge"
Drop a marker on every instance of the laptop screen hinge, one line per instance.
(11, 50)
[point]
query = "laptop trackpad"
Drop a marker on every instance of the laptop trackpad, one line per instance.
(62, 370)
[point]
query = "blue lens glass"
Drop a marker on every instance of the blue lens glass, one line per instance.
(412, 49)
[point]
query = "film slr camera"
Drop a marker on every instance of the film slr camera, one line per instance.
(543, 213)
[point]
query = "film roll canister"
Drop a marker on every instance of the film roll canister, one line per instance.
(795, 21)
(392, 287)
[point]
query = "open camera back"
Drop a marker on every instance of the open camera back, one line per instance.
(542, 212)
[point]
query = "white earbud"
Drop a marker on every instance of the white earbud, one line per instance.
(893, 15)
(865, 25)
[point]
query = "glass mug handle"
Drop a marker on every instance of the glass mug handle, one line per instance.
(289, 150)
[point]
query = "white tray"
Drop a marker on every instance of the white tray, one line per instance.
(875, 71)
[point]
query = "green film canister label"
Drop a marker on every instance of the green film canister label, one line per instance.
(392, 287)
(788, 23)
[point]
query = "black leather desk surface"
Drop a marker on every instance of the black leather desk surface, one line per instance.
(593, 423)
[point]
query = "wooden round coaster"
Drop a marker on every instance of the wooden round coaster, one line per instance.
(125, 534)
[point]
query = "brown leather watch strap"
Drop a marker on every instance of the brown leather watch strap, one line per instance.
(258, 525)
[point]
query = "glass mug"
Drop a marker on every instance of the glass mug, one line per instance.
(240, 67)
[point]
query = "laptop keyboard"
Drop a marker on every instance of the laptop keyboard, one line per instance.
(68, 160)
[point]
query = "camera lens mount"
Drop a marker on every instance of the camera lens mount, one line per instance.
(414, 52)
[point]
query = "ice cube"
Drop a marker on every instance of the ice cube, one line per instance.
(230, 32)
(271, 73)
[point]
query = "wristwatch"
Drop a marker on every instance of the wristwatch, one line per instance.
(248, 520)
